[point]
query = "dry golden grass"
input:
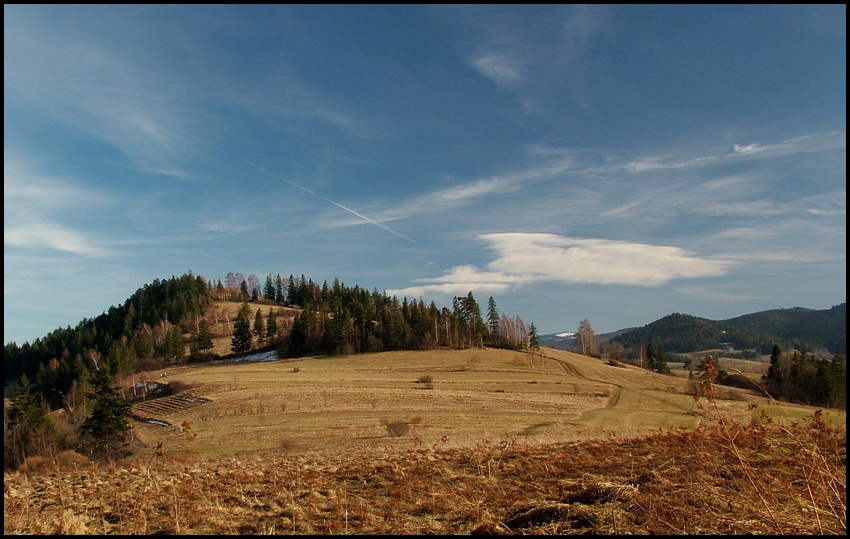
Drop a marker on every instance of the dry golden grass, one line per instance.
(494, 442)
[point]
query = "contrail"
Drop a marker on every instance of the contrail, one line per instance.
(290, 182)
(337, 204)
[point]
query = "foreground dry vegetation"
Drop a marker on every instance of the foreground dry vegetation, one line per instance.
(479, 441)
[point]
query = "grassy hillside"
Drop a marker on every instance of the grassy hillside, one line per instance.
(449, 442)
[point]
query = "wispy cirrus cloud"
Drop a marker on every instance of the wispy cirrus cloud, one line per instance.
(547, 164)
(529, 59)
(54, 236)
(802, 144)
(524, 258)
(586, 191)
(112, 97)
(32, 208)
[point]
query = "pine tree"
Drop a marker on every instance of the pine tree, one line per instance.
(468, 316)
(298, 334)
(292, 291)
(260, 327)
(174, 347)
(29, 429)
(650, 356)
(493, 320)
(656, 359)
(271, 326)
(775, 371)
(204, 337)
(242, 338)
(268, 289)
(533, 338)
(661, 366)
(201, 341)
(30, 402)
(104, 432)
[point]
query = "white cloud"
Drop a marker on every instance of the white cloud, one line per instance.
(524, 258)
(558, 258)
(801, 144)
(539, 63)
(51, 236)
(497, 67)
(30, 200)
(109, 95)
(747, 149)
(554, 163)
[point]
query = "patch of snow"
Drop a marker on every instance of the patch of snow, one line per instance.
(253, 358)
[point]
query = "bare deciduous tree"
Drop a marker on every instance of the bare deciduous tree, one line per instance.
(587, 339)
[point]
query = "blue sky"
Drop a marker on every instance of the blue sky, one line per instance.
(609, 163)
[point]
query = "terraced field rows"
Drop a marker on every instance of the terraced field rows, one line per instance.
(164, 406)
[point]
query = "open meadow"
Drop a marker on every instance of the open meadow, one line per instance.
(447, 442)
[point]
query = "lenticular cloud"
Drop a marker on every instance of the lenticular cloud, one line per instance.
(549, 257)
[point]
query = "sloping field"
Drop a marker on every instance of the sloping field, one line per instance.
(470, 397)
(448, 442)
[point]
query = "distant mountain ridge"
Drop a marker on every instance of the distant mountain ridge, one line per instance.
(566, 340)
(798, 328)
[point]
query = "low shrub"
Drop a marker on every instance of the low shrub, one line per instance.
(396, 427)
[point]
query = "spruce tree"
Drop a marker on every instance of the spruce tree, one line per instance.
(30, 403)
(174, 347)
(661, 366)
(204, 338)
(650, 356)
(29, 430)
(271, 326)
(775, 371)
(260, 327)
(533, 338)
(241, 340)
(103, 434)
(201, 341)
(493, 320)
(268, 289)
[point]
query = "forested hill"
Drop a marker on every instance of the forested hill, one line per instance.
(176, 321)
(795, 328)
(183, 320)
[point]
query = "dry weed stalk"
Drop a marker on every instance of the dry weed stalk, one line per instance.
(476, 500)
(819, 472)
(707, 389)
(137, 503)
(822, 480)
